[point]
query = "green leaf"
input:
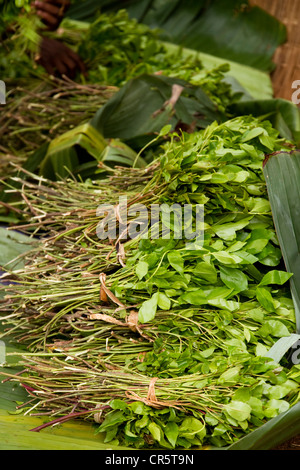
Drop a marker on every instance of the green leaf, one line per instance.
(274, 328)
(267, 142)
(265, 299)
(234, 278)
(191, 427)
(148, 309)
(118, 404)
(283, 194)
(171, 432)
(141, 269)
(227, 258)
(156, 431)
(13, 244)
(211, 420)
(219, 430)
(261, 350)
(206, 271)
(139, 408)
(228, 231)
(113, 418)
(194, 297)
(207, 352)
(230, 305)
(176, 261)
(270, 255)
(163, 301)
(256, 407)
(275, 277)
(230, 376)
(165, 130)
(128, 431)
(256, 246)
(252, 134)
(238, 410)
(143, 422)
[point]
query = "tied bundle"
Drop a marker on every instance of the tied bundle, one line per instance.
(160, 342)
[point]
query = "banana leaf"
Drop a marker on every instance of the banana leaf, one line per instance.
(132, 114)
(13, 244)
(15, 434)
(124, 125)
(145, 104)
(282, 174)
(232, 30)
(254, 83)
(68, 151)
(79, 152)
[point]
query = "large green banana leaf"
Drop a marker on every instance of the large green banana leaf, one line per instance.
(232, 30)
(256, 83)
(131, 114)
(282, 173)
(79, 152)
(13, 244)
(72, 149)
(124, 125)
(15, 434)
(144, 105)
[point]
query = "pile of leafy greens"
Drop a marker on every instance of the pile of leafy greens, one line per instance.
(194, 364)
(249, 35)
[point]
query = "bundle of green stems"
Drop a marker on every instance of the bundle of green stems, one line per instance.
(76, 304)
